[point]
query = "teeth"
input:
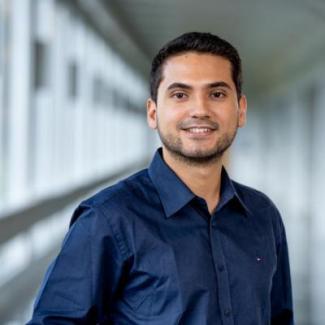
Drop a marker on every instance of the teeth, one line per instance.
(199, 130)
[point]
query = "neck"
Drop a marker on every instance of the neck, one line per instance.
(204, 180)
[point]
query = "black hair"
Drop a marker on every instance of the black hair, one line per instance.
(195, 42)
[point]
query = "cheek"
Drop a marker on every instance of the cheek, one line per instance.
(170, 116)
(229, 122)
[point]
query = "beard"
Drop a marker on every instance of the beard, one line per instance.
(198, 157)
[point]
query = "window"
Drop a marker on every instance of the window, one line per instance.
(40, 65)
(4, 62)
(98, 91)
(72, 80)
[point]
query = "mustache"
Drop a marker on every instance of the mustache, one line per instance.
(198, 123)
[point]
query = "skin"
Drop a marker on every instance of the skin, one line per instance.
(197, 91)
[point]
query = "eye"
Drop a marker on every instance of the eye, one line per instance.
(218, 94)
(179, 95)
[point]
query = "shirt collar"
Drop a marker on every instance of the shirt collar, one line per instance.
(174, 194)
(229, 191)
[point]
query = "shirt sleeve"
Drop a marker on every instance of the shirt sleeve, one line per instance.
(281, 295)
(80, 284)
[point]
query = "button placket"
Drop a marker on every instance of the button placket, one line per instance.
(222, 274)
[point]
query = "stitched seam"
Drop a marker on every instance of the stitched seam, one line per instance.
(116, 236)
(88, 232)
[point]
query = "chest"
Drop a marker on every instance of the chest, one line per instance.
(188, 261)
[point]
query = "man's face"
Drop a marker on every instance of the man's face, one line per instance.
(197, 112)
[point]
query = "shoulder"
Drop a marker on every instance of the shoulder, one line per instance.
(120, 190)
(261, 207)
(114, 198)
(253, 198)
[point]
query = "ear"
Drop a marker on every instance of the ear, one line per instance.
(152, 113)
(242, 111)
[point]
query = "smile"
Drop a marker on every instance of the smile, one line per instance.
(197, 130)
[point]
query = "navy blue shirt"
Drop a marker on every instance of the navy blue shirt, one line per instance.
(147, 251)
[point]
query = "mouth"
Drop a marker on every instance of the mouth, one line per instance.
(199, 130)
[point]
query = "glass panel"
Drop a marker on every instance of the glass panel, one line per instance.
(72, 80)
(98, 90)
(40, 65)
(4, 62)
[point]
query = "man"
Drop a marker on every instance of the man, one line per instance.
(179, 242)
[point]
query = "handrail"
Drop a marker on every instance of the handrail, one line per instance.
(16, 222)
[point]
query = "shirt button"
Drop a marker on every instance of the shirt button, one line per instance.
(221, 268)
(227, 312)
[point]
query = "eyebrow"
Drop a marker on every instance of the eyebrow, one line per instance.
(179, 85)
(219, 84)
(188, 87)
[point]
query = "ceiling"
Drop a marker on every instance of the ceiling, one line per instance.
(278, 40)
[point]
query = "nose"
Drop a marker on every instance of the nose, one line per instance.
(200, 108)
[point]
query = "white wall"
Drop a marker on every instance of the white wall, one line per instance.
(281, 152)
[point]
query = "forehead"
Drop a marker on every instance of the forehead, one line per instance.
(196, 67)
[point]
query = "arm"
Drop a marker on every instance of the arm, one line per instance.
(281, 295)
(80, 284)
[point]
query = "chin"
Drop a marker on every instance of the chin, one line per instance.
(198, 153)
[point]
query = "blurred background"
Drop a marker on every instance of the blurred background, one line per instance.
(73, 85)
